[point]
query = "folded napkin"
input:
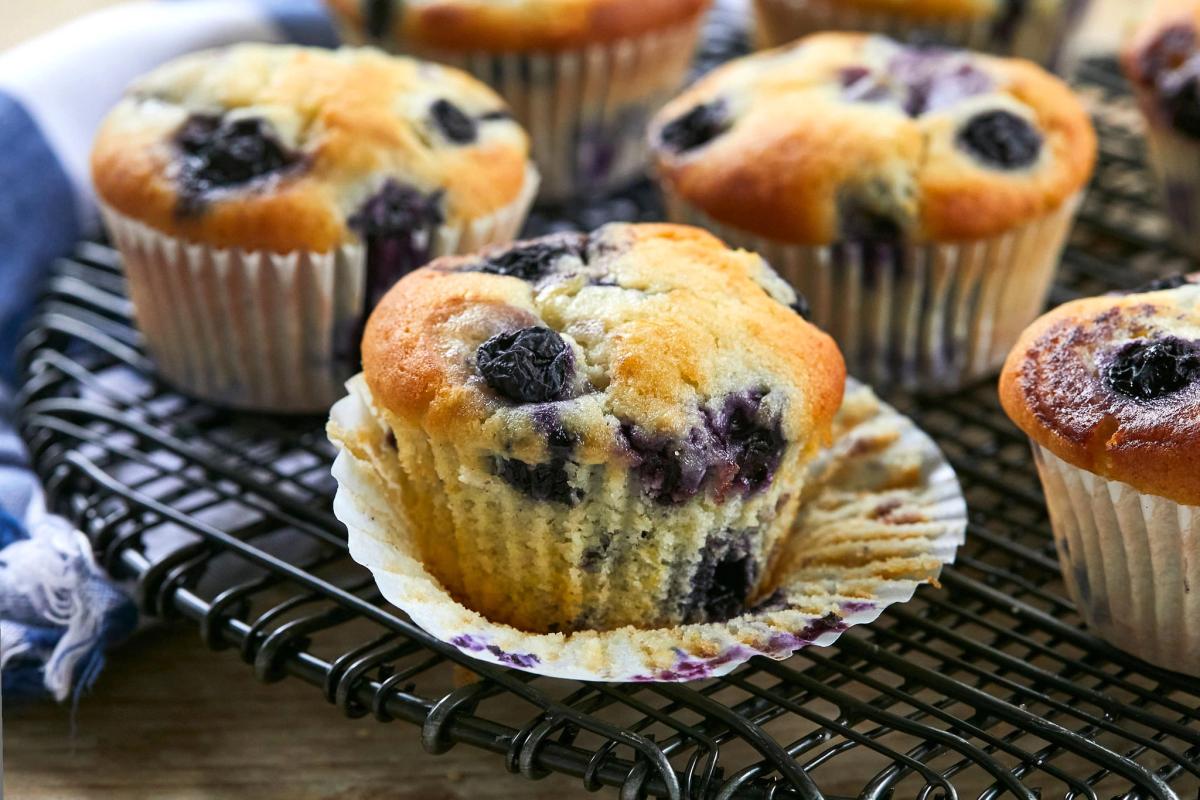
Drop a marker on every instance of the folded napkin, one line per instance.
(58, 612)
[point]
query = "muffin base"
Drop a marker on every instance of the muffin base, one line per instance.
(881, 514)
(1037, 36)
(1129, 561)
(585, 110)
(261, 330)
(616, 558)
(932, 317)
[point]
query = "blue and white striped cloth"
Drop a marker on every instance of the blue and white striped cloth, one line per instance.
(58, 612)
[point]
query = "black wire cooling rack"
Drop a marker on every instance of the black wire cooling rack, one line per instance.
(985, 688)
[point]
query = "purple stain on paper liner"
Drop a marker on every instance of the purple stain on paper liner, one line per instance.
(466, 641)
(474, 644)
(690, 668)
(519, 660)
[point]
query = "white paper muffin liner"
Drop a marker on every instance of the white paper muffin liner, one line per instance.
(1175, 160)
(585, 110)
(1130, 561)
(883, 513)
(932, 317)
(1038, 36)
(261, 330)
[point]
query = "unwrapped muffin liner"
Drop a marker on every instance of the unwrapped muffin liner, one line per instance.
(1130, 561)
(262, 330)
(882, 513)
(1175, 159)
(1039, 35)
(586, 109)
(930, 317)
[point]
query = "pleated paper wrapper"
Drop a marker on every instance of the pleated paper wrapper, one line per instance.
(262, 330)
(586, 109)
(1130, 561)
(933, 317)
(882, 514)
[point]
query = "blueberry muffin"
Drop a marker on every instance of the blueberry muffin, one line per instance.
(583, 76)
(918, 197)
(1108, 390)
(1162, 61)
(1033, 29)
(594, 431)
(265, 197)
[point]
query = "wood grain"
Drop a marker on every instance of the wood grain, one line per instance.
(170, 720)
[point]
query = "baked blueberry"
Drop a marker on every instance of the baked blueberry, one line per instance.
(724, 579)
(453, 122)
(754, 448)
(670, 472)
(1001, 139)
(801, 306)
(533, 261)
(530, 365)
(217, 153)
(697, 127)
(859, 222)
(1148, 369)
(397, 225)
(546, 482)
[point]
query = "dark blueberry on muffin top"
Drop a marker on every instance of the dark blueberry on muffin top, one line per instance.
(1151, 368)
(218, 153)
(697, 127)
(453, 122)
(530, 365)
(802, 307)
(1001, 139)
(533, 261)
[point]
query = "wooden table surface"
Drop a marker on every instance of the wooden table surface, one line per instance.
(170, 720)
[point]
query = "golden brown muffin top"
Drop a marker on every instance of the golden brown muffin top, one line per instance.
(647, 338)
(1112, 385)
(280, 148)
(848, 136)
(511, 25)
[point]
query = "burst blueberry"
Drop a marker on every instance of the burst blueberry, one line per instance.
(1148, 369)
(453, 122)
(533, 261)
(217, 153)
(546, 482)
(397, 224)
(530, 365)
(697, 127)
(1001, 139)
